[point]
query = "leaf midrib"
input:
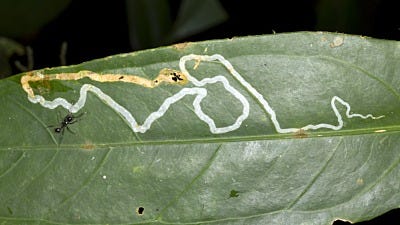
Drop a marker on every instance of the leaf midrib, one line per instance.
(271, 137)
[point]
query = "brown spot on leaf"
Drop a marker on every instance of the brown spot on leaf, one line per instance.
(300, 134)
(88, 146)
(181, 46)
(337, 41)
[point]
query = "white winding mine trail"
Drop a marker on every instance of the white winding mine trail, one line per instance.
(200, 92)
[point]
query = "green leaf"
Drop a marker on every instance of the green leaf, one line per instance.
(178, 171)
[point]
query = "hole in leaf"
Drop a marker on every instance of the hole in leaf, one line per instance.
(140, 210)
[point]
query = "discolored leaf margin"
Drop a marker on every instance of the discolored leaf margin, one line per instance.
(179, 172)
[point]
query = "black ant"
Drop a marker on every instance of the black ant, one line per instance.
(68, 119)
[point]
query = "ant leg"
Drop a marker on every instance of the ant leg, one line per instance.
(61, 137)
(72, 122)
(58, 119)
(76, 118)
(79, 115)
(58, 116)
(70, 129)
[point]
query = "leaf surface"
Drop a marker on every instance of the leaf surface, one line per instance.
(178, 171)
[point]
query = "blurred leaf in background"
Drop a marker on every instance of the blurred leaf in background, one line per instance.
(148, 21)
(23, 18)
(195, 16)
(151, 22)
(355, 16)
(8, 48)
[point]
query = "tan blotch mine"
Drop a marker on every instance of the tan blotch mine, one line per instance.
(165, 76)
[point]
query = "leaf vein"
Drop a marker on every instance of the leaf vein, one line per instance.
(316, 176)
(190, 184)
(13, 165)
(84, 184)
(34, 178)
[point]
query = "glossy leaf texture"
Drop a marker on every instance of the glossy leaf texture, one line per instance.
(178, 171)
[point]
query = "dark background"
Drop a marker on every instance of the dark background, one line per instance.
(95, 29)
